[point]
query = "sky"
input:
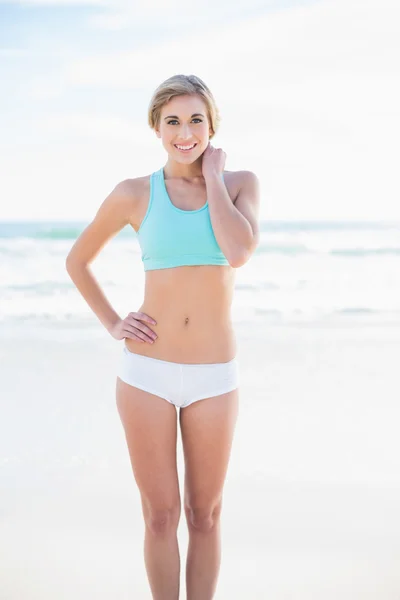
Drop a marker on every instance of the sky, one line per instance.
(308, 91)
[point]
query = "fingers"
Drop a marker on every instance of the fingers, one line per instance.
(137, 334)
(131, 334)
(143, 317)
(135, 326)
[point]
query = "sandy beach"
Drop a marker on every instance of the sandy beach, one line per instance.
(304, 95)
(311, 497)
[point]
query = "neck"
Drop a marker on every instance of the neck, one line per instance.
(174, 169)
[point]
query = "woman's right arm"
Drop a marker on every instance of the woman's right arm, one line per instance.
(112, 216)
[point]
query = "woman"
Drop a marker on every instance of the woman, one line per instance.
(195, 224)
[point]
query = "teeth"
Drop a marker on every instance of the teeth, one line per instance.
(185, 147)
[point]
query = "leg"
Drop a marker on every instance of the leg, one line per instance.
(207, 428)
(150, 425)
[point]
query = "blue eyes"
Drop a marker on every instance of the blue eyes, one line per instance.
(175, 121)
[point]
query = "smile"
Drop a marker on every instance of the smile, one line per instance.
(185, 148)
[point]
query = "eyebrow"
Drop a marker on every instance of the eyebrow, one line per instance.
(176, 117)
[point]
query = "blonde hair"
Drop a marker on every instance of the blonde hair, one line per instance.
(179, 85)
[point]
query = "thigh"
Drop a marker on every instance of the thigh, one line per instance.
(207, 428)
(150, 425)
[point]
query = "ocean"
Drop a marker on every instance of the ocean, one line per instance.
(301, 273)
(313, 488)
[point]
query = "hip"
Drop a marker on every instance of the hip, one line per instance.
(179, 383)
(190, 345)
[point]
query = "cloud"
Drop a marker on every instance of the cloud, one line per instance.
(49, 3)
(333, 36)
(13, 52)
(43, 87)
(88, 125)
(308, 96)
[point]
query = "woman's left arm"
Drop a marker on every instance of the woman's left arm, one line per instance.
(235, 225)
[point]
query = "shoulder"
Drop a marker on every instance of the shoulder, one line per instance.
(239, 174)
(129, 192)
(116, 207)
(237, 180)
(132, 187)
(242, 176)
(133, 196)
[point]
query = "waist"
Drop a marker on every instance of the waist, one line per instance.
(192, 308)
(187, 337)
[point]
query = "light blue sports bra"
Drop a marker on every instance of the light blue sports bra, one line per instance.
(171, 237)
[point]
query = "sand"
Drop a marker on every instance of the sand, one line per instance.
(312, 492)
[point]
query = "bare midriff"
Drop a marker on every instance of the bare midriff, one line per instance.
(192, 308)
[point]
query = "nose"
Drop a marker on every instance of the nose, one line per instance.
(185, 132)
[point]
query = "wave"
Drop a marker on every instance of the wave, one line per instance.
(366, 251)
(282, 249)
(48, 231)
(66, 230)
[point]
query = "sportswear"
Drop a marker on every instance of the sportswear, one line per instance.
(171, 237)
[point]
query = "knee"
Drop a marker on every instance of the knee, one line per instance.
(203, 519)
(161, 521)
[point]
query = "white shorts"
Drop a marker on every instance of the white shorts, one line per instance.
(178, 383)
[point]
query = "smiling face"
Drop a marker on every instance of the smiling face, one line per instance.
(184, 122)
